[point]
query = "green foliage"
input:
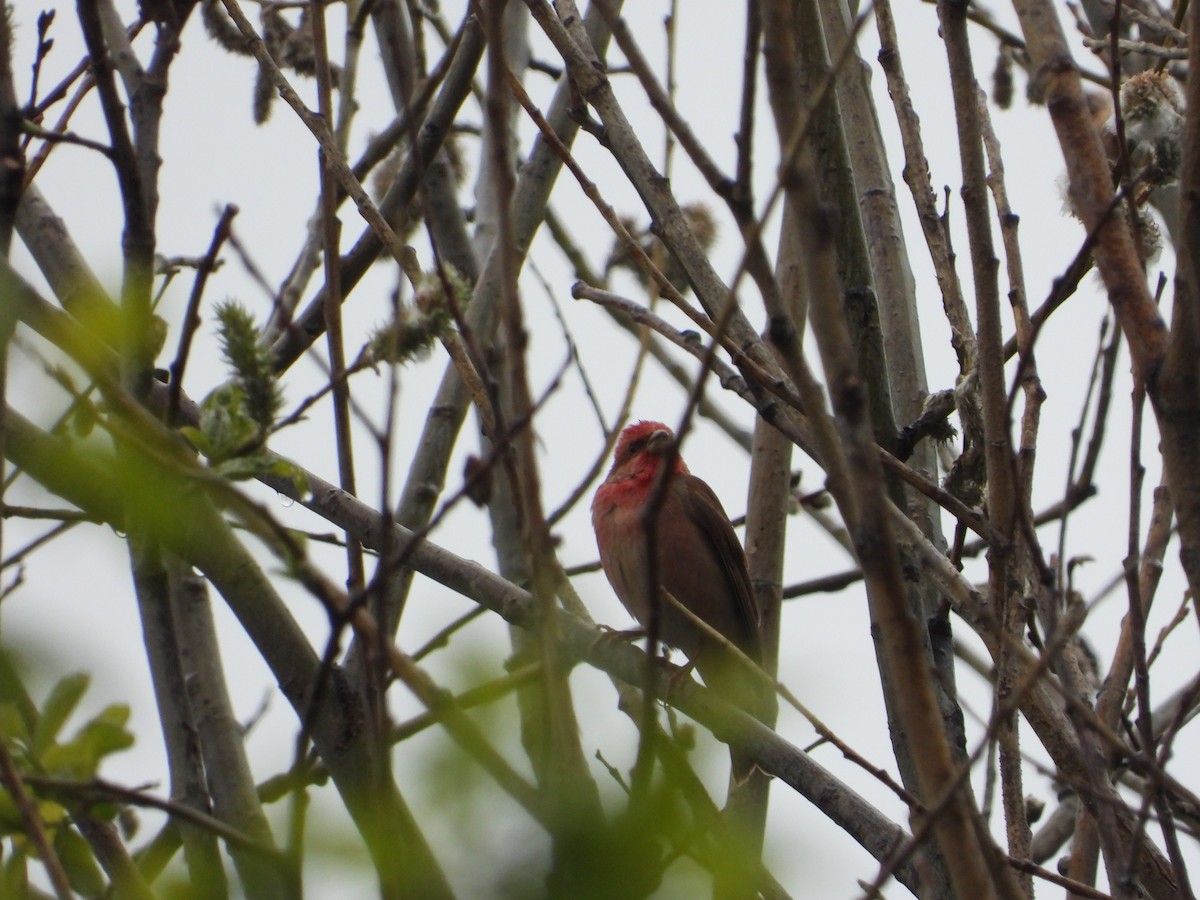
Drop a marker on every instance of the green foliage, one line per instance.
(226, 428)
(414, 330)
(63, 699)
(13, 726)
(156, 337)
(15, 703)
(34, 738)
(84, 417)
(246, 467)
(83, 872)
(99, 316)
(251, 364)
(233, 442)
(14, 878)
(103, 735)
(236, 418)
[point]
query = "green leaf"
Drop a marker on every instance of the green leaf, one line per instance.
(84, 418)
(51, 814)
(10, 819)
(14, 878)
(285, 468)
(241, 468)
(106, 733)
(81, 756)
(79, 863)
(156, 336)
(229, 429)
(251, 363)
(63, 699)
(198, 439)
(13, 725)
(12, 690)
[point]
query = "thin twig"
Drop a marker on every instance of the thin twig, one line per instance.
(191, 316)
(34, 827)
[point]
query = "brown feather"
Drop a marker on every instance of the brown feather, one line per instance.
(700, 563)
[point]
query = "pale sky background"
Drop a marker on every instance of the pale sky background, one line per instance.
(77, 611)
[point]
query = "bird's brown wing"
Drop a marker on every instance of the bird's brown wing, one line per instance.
(704, 509)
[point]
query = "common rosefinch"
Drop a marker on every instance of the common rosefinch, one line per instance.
(700, 563)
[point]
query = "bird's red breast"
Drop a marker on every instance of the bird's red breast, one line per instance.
(699, 562)
(699, 559)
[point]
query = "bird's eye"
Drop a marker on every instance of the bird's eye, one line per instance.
(637, 446)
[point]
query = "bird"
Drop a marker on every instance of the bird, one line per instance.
(701, 564)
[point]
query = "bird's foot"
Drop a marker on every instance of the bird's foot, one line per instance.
(677, 676)
(608, 634)
(620, 634)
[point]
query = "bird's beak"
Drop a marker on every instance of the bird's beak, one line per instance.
(659, 442)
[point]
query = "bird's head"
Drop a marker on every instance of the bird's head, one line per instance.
(642, 445)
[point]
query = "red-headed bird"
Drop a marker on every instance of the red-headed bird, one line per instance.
(700, 563)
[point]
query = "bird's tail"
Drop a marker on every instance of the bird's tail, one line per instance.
(746, 689)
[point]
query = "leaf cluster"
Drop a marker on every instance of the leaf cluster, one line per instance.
(291, 46)
(414, 330)
(236, 417)
(33, 739)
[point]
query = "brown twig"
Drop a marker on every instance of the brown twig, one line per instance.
(331, 234)
(98, 790)
(34, 828)
(1004, 492)
(191, 316)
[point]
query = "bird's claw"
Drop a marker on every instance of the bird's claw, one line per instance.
(609, 634)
